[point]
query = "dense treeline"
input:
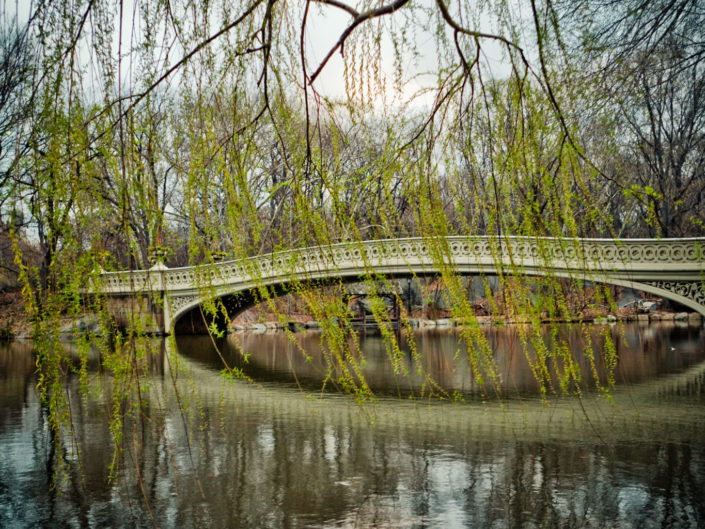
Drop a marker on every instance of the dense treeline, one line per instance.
(594, 128)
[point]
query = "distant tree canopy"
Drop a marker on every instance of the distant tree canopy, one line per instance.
(645, 61)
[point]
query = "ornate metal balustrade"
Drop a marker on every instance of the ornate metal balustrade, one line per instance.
(671, 268)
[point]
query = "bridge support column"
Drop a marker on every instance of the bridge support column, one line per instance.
(143, 313)
(145, 308)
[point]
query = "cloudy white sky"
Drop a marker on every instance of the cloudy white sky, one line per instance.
(325, 25)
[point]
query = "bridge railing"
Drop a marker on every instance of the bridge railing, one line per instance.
(394, 255)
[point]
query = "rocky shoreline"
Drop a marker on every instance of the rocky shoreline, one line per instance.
(686, 318)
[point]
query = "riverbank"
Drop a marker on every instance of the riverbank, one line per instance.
(14, 321)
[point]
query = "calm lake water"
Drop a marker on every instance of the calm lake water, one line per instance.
(277, 451)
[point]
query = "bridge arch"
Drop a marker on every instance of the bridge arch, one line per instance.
(247, 300)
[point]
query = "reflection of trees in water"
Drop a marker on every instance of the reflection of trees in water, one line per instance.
(269, 470)
(272, 472)
(36, 484)
(269, 457)
(542, 484)
(16, 374)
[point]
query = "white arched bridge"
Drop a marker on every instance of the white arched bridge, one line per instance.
(670, 268)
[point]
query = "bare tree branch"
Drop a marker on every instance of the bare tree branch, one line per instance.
(478, 34)
(357, 20)
(341, 5)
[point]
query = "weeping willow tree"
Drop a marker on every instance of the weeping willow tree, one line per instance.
(210, 129)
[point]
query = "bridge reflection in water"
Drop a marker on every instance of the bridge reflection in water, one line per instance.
(269, 455)
(644, 351)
